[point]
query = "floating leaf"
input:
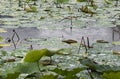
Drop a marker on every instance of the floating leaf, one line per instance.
(111, 75)
(35, 75)
(85, 9)
(1, 38)
(108, 2)
(30, 9)
(12, 75)
(97, 67)
(27, 67)
(51, 76)
(4, 45)
(61, 1)
(69, 41)
(81, 0)
(116, 53)
(116, 43)
(67, 72)
(102, 41)
(2, 30)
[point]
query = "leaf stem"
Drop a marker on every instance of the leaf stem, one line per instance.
(90, 74)
(82, 43)
(39, 68)
(18, 38)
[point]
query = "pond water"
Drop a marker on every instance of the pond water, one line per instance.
(93, 33)
(51, 22)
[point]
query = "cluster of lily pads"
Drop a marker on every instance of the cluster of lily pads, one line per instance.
(73, 62)
(98, 62)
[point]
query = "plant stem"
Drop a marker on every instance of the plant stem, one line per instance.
(15, 33)
(113, 35)
(88, 43)
(13, 40)
(80, 46)
(83, 43)
(39, 68)
(117, 2)
(90, 74)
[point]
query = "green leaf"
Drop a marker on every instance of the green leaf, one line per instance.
(71, 77)
(108, 2)
(1, 38)
(61, 1)
(67, 72)
(35, 55)
(27, 67)
(81, 0)
(2, 30)
(31, 9)
(4, 45)
(97, 67)
(116, 43)
(51, 76)
(12, 75)
(111, 75)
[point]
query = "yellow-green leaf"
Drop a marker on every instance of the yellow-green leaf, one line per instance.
(116, 43)
(2, 30)
(1, 38)
(111, 75)
(4, 45)
(35, 55)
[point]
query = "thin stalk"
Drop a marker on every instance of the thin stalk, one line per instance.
(50, 59)
(85, 45)
(71, 29)
(17, 36)
(10, 3)
(90, 74)
(71, 21)
(80, 45)
(31, 47)
(117, 2)
(13, 40)
(88, 43)
(15, 33)
(19, 3)
(113, 35)
(82, 42)
(119, 35)
(39, 67)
